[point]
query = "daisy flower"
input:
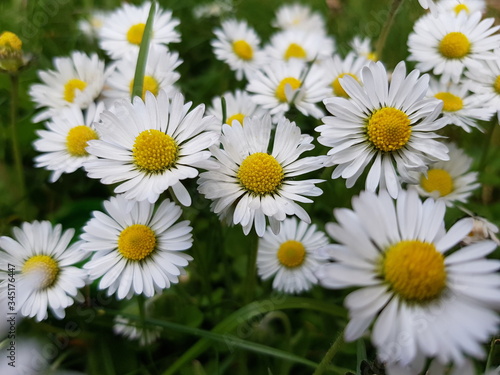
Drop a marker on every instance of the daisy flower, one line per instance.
(133, 330)
(91, 25)
(300, 44)
(299, 16)
(43, 252)
(238, 106)
(386, 124)
(448, 44)
(292, 256)
(481, 230)
(216, 8)
(336, 67)
(123, 29)
(77, 79)
(467, 6)
(422, 297)
(159, 75)
(63, 143)
(460, 107)
(238, 45)
(280, 85)
(449, 180)
(150, 146)
(249, 184)
(363, 47)
(137, 249)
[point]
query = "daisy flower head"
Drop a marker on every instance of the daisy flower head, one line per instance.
(282, 85)
(123, 29)
(238, 45)
(460, 106)
(300, 17)
(63, 143)
(159, 75)
(383, 124)
(77, 79)
(467, 6)
(299, 44)
(42, 252)
(292, 256)
(249, 184)
(423, 298)
(482, 229)
(449, 180)
(335, 67)
(449, 44)
(91, 25)
(134, 330)
(149, 146)
(363, 47)
(137, 249)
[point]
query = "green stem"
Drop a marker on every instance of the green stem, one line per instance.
(379, 47)
(325, 362)
(251, 268)
(18, 162)
(487, 144)
(489, 360)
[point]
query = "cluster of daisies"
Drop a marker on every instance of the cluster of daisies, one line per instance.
(424, 292)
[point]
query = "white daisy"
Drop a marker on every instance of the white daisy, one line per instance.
(299, 16)
(363, 47)
(482, 229)
(457, 6)
(159, 75)
(216, 8)
(150, 146)
(336, 67)
(64, 141)
(249, 184)
(77, 79)
(238, 45)
(422, 298)
(449, 180)
(91, 25)
(280, 85)
(292, 256)
(460, 107)
(385, 124)
(299, 44)
(133, 330)
(42, 251)
(137, 249)
(123, 29)
(448, 44)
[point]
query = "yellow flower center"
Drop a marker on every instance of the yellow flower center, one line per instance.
(496, 85)
(454, 45)
(437, 180)
(135, 33)
(46, 266)
(415, 270)
(70, 89)
(371, 56)
(149, 84)
(242, 49)
(291, 253)
(10, 41)
(388, 129)
(77, 138)
(260, 173)
(280, 90)
(338, 90)
(460, 7)
(296, 51)
(136, 242)
(154, 151)
(451, 103)
(238, 117)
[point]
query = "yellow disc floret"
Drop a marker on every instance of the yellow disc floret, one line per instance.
(136, 242)
(454, 45)
(135, 33)
(10, 41)
(154, 151)
(291, 253)
(295, 51)
(388, 129)
(338, 90)
(243, 50)
(149, 84)
(496, 85)
(260, 173)
(415, 270)
(238, 117)
(461, 7)
(451, 103)
(280, 90)
(77, 138)
(70, 89)
(46, 266)
(437, 180)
